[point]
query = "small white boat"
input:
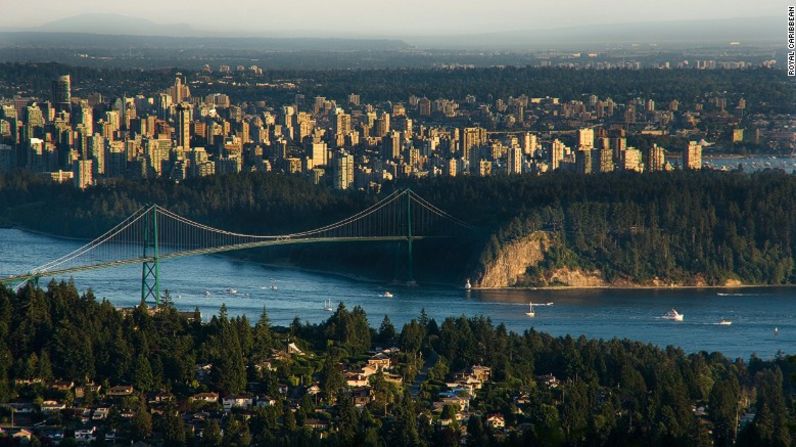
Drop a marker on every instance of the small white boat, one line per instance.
(273, 285)
(776, 331)
(673, 315)
(467, 285)
(725, 322)
(387, 294)
(207, 293)
(232, 291)
(327, 306)
(530, 312)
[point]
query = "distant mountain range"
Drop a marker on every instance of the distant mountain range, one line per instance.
(114, 24)
(693, 33)
(119, 31)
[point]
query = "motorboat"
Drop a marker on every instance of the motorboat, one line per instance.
(327, 306)
(387, 294)
(467, 285)
(673, 315)
(725, 322)
(232, 291)
(207, 293)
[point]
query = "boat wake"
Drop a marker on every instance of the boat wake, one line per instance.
(737, 294)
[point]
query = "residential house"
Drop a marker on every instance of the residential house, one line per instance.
(496, 421)
(120, 390)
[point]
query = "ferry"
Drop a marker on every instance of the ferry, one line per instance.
(673, 315)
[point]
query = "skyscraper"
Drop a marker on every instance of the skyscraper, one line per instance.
(692, 156)
(62, 92)
(556, 154)
(343, 170)
(656, 158)
(514, 165)
(586, 139)
(183, 125)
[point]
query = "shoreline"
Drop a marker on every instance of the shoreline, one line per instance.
(364, 279)
(640, 287)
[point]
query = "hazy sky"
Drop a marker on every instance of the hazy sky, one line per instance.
(392, 17)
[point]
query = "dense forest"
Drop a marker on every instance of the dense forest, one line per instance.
(765, 90)
(614, 392)
(676, 227)
(757, 86)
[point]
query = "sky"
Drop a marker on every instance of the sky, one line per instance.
(387, 18)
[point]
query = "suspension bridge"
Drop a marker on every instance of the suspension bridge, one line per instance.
(154, 234)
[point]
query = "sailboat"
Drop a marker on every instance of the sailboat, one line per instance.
(467, 285)
(327, 306)
(530, 312)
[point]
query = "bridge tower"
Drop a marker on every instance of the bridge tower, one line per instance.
(410, 273)
(150, 269)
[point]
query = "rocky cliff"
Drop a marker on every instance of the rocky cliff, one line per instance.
(510, 266)
(513, 260)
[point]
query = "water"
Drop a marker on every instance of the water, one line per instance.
(203, 281)
(750, 163)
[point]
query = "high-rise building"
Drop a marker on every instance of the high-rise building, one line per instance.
(383, 125)
(692, 156)
(556, 154)
(84, 115)
(632, 160)
(656, 159)
(319, 153)
(585, 139)
(452, 167)
(424, 106)
(342, 123)
(343, 170)
(472, 137)
(514, 165)
(62, 92)
(530, 143)
(391, 146)
(183, 125)
(605, 159)
(83, 174)
(583, 162)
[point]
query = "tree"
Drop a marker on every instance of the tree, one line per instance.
(332, 379)
(211, 434)
(141, 427)
(262, 337)
(723, 409)
(143, 379)
(173, 429)
(386, 332)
